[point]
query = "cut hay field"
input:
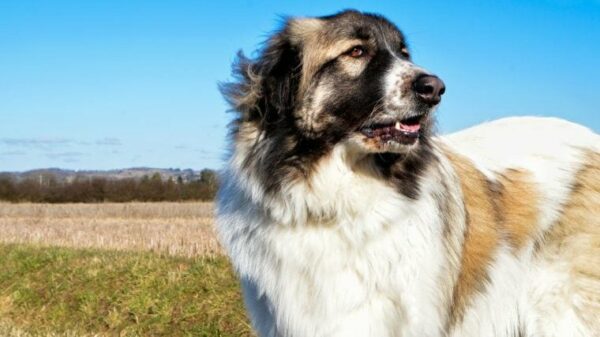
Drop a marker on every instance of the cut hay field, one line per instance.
(181, 229)
(132, 269)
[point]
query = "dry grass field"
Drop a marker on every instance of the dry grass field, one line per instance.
(182, 229)
(128, 269)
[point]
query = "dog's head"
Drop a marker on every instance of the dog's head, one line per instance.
(343, 79)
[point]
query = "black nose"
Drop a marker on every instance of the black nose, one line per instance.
(429, 89)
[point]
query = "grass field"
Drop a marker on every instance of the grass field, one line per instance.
(115, 270)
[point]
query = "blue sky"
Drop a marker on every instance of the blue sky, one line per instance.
(114, 83)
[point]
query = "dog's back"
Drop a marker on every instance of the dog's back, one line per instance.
(542, 178)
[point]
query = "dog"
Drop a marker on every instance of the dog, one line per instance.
(345, 215)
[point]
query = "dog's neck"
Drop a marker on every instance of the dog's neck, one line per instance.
(332, 188)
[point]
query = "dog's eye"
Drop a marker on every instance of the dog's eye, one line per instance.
(404, 52)
(356, 52)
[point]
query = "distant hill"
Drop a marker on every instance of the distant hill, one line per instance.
(186, 175)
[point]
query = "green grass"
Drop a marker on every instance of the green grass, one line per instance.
(65, 291)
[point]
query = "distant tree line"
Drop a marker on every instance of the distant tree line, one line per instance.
(47, 188)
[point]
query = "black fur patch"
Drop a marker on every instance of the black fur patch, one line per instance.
(405, 172)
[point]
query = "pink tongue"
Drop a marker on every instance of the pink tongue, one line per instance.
(410, 128)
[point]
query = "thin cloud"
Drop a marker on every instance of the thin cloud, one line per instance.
(12, 153)
(204, 154)
(196, 149)
(65, 155)
(53, 143)
(40, 143)
(109, 142)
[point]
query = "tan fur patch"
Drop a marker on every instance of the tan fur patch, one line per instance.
(317, 46)
(518, 206)
(575, 239)
(496, 210)
(482, 236)
(354, 67)
(302, 29)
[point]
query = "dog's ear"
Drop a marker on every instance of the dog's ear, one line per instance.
(267, 87)
(280, 67)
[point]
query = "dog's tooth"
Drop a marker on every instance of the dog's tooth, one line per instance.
(397, 126)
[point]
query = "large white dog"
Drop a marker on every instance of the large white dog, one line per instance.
(345, 216)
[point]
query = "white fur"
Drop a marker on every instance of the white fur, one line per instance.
(347, 255)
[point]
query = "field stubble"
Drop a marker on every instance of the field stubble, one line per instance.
(180, 229)
(115, 269)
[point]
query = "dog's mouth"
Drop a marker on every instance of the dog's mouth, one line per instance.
(405, 131)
